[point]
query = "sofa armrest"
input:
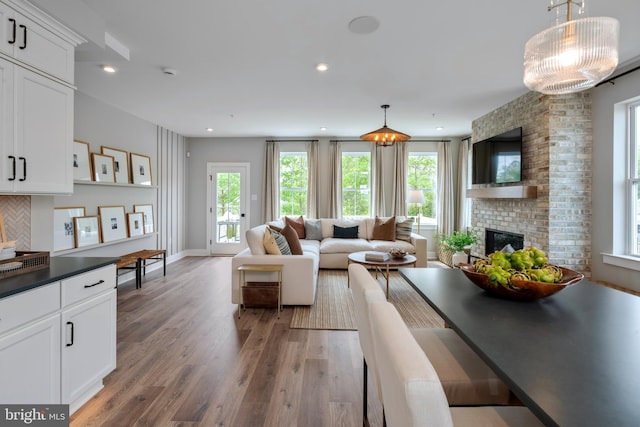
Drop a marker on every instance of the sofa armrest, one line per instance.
(420, 243)
(299, 275)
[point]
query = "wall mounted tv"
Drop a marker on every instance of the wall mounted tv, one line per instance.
(498, 159)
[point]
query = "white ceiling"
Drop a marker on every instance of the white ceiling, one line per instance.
(247, 68)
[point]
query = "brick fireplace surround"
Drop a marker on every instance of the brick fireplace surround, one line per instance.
(556, 158)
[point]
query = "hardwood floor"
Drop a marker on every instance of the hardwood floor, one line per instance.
(185, 359)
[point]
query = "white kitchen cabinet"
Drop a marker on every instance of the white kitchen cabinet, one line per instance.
(36, 152)
(37, 101)
(35, 43)
(89, 334)
(58, 341)
(30, 346)
(30, 363)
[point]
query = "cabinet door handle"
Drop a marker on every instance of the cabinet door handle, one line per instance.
(72, 328)
(13, 31)
(24, 34)
(13, 161)
(95, 284)
(24, 169)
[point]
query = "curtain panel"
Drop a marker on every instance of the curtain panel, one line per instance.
(271, 183)
(401, 158)
(335, 177)
(445, 214)
(313, 202)
(377, 206)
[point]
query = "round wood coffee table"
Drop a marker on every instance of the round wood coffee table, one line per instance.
(379, 266)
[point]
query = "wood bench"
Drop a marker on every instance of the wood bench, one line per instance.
(139, 261)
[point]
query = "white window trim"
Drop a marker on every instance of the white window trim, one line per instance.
(624, 261)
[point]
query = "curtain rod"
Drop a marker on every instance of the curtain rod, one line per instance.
(612, 79)
(291, 140)
(411, 140)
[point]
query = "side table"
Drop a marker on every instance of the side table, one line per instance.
(265, 268)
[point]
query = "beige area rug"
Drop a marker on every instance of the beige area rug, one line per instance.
(334, 307)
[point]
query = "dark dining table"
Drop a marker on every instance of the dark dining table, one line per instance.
(572, 358)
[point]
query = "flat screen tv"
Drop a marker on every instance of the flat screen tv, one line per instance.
(498, 159)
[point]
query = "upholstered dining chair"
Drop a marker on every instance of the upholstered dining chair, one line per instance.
(466, 379)
(365, 292)
(411, 390)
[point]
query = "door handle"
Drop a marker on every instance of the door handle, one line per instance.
(241, 215)
(13, 31)
(72, 332)
(24, 36)
(24, 169)
(13, 161)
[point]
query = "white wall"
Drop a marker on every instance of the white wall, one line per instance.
(100, 124)
(251, 150)
(608, 179)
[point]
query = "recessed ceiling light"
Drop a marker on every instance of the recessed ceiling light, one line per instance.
(109, 68)
(209, 129)
(323, 129)
(439, 128)
(322, 67)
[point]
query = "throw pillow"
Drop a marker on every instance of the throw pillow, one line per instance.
(345, 232)
(313, 229)
(403, 230)
(292, 239)
(275, 228)
(384, 229)
(297, 224)
(275, 243)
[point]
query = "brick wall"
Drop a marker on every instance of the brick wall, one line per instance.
(556, 157)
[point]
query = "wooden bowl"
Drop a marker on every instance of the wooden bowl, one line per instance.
(522, 290)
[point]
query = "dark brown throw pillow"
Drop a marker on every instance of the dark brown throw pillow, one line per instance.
(297, 224)
(290, 234)
(384, 229)
(275, 228)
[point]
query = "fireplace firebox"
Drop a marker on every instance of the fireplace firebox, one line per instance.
(496, 240)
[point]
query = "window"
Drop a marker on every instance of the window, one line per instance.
(422, 172)
(356, 185)
(293, 184)
(634, 179)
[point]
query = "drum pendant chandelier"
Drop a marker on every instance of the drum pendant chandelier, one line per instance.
(385, 136)
(572, 56)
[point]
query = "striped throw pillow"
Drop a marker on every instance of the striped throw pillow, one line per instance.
(403, 230)
(275, 243)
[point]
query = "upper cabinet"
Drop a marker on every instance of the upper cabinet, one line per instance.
(33, 44)
(36, 101)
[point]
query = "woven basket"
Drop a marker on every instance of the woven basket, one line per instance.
(445, 256)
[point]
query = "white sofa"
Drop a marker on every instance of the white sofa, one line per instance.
(300, 272)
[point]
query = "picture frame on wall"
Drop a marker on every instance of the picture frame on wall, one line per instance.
(140, 169)
(120, 163)
(82, 170)
(63, 227)
(112, 223)
(147, 211)
(135, 224)
(86, 230)
(103, 170)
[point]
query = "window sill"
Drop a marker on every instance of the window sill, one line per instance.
(624, 261)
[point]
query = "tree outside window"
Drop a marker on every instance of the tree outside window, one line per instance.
(293, 184)
(422, 169)
(356, 185)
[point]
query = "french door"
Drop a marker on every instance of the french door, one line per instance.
(228, 207)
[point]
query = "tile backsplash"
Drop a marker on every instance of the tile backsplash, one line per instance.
(17, 219)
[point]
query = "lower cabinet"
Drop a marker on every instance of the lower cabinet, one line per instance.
(30, 363)
(58, 341)
(88, 348)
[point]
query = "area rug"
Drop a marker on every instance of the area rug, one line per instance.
(334, 307)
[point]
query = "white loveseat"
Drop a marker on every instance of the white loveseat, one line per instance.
(300, 272)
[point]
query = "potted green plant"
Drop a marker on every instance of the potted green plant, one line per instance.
(455, 247)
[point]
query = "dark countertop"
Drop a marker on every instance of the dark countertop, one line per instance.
(573, 358)
(60, 268)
